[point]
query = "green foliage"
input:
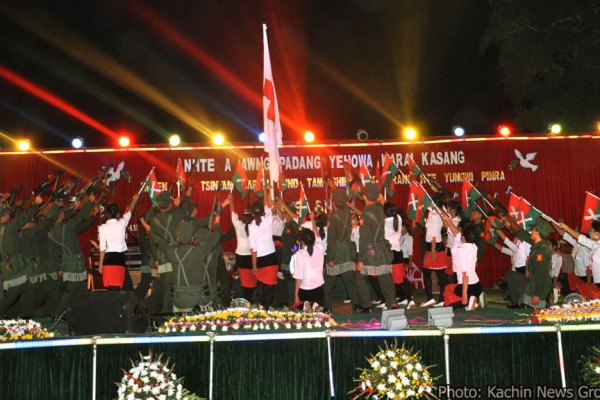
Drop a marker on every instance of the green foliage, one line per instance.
(549, 59)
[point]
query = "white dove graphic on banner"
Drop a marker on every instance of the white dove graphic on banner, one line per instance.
(525, 162)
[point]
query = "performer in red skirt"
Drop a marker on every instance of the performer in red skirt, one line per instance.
(113, 245)
(243, 258)
(262, 249)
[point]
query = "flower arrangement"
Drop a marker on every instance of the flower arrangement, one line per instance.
(579, 312)
(152, 380)
(394, 373)
(22, 329)
(236, 319)
(591, 367)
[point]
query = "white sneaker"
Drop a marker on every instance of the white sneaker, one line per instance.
(440, 304)
(347, 301)
(382, 305)
(375, 302)
(472, 304)
(483, 299)
(411, 305)
(403, 302)
(316, 307)
(428, 303)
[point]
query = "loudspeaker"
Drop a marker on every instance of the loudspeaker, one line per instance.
(91, 313)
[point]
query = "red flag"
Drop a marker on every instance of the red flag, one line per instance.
(180, 172)
(513, 206)
(590, 211)
(271, 122)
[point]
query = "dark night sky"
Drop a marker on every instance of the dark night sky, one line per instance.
(195, 67)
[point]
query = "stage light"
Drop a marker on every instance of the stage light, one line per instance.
(505, 130)
(124, 141)
(174, 140)
(23, 145)
(77, 143)
(261, 137)
(555, 129)
(218, 139)
(410, 133)
(458, 131)
(309, 137)
(440, 317)
(393, 319)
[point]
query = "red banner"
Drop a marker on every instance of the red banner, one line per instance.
(552, 173)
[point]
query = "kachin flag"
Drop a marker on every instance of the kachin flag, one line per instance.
(513, 206)
(413, 201)
(240, 179)
(364, 174)
(352, 181)
(283, 185)
(528, 215)
(591, 211)
(424, 203)
(469, 197)
(388, 173)
(261, 181)
(413, 168)
(303, 208)
(491, 235)
(271, 122)
(153, 188)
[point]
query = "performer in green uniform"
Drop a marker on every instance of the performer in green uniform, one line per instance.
(14, 271)
(533, 288)
(374, 251)
(341, 251)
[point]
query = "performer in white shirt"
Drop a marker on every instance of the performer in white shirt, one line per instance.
(262, 250)
(113, 246)
(308, 268)
(592, 243)
(243, 258)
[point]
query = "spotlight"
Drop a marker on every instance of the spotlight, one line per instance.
(77, 143)
(309, 137)
(458, 131)
(261, 137)
(555, 129)
(23, 145)
(218, 139)
(174, 140)
(410, 133)
(362, 135)
(124, 141)
(504, 130)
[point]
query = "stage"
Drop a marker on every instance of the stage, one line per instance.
(490, 346)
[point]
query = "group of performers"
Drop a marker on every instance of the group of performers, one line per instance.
(281, 261)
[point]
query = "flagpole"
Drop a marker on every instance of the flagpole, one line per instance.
(145, 180)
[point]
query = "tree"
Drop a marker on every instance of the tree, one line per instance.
(549, 59)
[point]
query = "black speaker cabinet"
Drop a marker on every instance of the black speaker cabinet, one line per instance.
(92, 313)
